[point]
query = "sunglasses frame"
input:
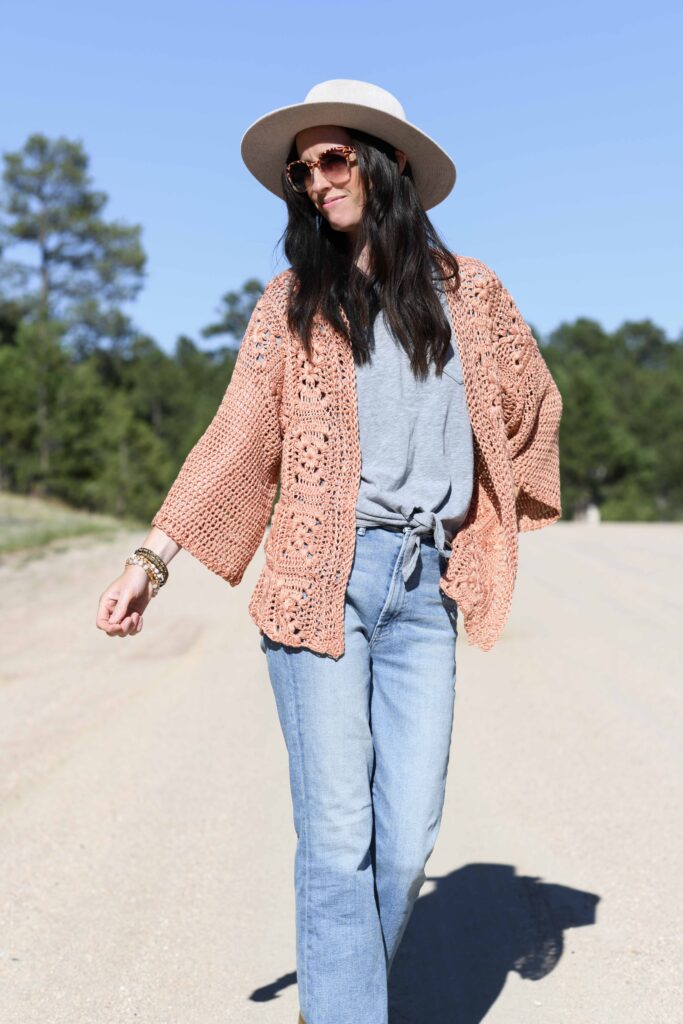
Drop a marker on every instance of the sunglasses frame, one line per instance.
(311, 165)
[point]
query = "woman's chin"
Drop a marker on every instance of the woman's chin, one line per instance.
(340, 225)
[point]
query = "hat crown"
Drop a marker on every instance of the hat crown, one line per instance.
(349, 90)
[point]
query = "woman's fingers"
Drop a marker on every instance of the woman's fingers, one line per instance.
(120, 607)
(128, 626)
(106, 606)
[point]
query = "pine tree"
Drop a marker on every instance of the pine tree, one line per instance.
(81, 267)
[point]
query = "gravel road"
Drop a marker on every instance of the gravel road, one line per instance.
(146, 834)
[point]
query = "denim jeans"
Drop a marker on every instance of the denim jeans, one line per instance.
(368, 739)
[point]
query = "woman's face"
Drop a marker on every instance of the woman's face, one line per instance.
(340, 205)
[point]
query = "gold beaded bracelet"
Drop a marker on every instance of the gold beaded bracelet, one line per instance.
(156, 559)
(151, 571)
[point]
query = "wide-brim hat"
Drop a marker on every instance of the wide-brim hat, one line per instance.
(351, 104)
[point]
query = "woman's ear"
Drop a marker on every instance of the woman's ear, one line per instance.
(401, 158)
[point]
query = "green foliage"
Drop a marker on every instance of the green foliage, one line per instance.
(31, 374)
(133, 462)
(621, 435)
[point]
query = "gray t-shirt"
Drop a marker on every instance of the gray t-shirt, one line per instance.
(416, 444)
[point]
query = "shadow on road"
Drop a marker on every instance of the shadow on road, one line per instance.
(478, 923)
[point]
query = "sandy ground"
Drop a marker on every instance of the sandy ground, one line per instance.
(146, 835)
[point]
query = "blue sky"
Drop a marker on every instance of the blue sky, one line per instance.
(564, 122)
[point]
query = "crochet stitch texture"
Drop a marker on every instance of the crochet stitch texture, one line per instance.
(286, 418)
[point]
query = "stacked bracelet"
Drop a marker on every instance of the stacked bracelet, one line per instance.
(155, 559)
(154, 566)
(149, 569)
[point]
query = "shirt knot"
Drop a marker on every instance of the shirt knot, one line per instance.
(412, 549)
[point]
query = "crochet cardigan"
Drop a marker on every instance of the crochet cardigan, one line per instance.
(287, 418)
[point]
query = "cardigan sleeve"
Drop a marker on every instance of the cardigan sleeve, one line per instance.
(220, 502)
(532, 409)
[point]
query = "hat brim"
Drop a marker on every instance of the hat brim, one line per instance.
(266, 144)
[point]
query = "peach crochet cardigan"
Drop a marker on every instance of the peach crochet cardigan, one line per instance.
(290, 419)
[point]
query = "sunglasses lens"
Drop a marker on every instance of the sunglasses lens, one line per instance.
(299, 176)
(334, 167)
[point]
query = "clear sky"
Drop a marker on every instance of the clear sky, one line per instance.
(563, 120)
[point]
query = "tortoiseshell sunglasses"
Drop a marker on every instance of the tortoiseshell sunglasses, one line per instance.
(333, 163)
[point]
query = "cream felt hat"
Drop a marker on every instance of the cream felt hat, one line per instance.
(351, 104)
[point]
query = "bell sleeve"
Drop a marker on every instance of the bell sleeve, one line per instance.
(220, 502)
(532, 409)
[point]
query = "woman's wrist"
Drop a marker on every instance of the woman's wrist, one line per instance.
(134, 569)
(161, 544)
(137, 574)
(154, 567)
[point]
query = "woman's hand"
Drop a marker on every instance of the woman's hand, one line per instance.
(123, 602)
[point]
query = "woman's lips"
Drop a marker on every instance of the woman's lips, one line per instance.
(337, 199)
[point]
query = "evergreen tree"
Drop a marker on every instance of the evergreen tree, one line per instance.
(235, 312)
(82, 267)
(31, 373)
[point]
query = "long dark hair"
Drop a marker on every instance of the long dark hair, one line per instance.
(406, 256)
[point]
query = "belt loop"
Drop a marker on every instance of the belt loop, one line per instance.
(360, 530)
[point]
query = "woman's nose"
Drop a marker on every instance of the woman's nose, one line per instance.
(318, 180)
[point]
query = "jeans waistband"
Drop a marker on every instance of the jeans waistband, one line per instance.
(361, 528)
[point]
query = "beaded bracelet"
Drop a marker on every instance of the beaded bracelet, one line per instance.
(151, 571)
(156, 559)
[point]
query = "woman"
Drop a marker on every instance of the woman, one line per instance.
(400, 400)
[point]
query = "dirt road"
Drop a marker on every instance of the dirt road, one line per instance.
(146, 837)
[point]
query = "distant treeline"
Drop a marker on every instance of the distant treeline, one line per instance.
(97, 414)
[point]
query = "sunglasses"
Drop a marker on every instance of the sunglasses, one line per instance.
(333, 164)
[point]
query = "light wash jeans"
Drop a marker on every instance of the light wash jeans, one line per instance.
(368, 737)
